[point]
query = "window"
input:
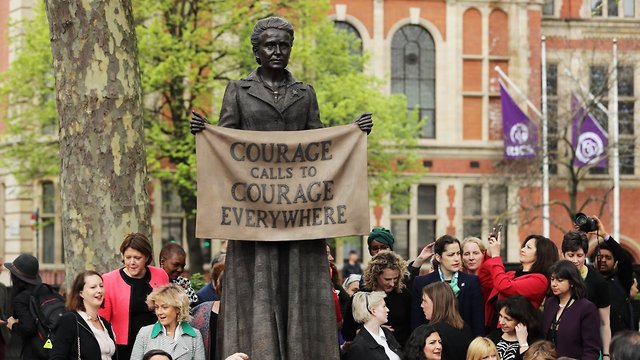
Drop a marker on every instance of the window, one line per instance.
(626, 131)
(484, 207)
(472, 212)
(413, 72)
(613, 8)
(548, 8)
(481, 108)
(355, 40)
(47, 223)
(414, 225)
(552, 117)
(172, 215)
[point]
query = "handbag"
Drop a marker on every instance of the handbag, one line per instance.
(78, 336)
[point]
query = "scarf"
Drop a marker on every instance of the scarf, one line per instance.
(453, 283)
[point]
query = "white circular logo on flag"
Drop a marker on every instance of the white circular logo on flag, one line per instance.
(590, 148)
(519, 133)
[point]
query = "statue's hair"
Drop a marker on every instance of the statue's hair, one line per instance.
(273, 22)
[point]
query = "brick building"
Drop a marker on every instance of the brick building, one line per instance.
(442, 55)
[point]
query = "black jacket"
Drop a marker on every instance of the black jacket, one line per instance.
(25, 328)
(65, 341)
(470, 302)
(399, 305)
(365, 347)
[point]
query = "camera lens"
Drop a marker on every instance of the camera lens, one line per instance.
(581, 219)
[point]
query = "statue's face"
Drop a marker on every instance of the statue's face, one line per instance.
(274, 49)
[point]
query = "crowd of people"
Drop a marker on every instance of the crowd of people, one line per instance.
(455, 301)
(137, 311)
(466, 305)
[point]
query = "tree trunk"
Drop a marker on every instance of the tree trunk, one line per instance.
(103, 165)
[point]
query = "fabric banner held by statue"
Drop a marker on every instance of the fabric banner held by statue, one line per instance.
(282, 185)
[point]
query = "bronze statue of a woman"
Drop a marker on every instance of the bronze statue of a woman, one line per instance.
(276, 299)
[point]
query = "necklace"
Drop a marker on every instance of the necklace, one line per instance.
(565, 304)
(91, 317)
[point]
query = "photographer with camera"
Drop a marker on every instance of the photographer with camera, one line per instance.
(614, 264)
(575, 246)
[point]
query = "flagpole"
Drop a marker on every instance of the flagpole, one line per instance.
(616, 142)
(517, 90)
(590, 96)
(545, 145)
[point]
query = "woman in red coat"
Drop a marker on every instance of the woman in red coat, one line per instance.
(537, 254)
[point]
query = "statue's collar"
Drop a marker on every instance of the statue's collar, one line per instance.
(289, 79)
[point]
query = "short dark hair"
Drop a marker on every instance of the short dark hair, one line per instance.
(74, 301)
(441, 244)
(625, 345)
(139, 242)
(272, 22)
(155, 352)
(520, 309)
(565, 269)
(546, 254)
(605, 246)
(171, 248)
(574, 241)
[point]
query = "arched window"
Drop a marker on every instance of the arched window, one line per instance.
(413, 72)
(353, 34)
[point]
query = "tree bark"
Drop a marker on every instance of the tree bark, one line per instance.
(103, 162)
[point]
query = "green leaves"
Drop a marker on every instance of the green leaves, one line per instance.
(188, 51)
(29, 86)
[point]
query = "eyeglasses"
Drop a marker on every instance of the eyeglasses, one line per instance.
(378, 247)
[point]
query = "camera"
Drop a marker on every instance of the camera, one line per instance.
(586, 223)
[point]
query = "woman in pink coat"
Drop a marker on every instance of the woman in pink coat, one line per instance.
(126, 290)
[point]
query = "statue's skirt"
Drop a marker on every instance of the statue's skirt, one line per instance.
(277, 302)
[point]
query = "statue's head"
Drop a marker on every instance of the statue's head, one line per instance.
(269, 32)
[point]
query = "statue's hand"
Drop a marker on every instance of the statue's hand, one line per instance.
(365, 122)
(197, 122)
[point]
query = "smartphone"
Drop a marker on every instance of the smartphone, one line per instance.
(495, 231)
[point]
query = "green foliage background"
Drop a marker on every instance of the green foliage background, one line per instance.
(188, 51)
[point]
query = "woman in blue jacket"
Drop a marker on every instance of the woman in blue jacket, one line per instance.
(466, 287)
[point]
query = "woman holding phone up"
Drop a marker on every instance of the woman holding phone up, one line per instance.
(537, 254)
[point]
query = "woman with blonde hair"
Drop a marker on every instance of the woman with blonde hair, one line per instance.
(441, 309)
(482, 348)
(172, 332)
(385, 272)
(373, 341)
(473, 251)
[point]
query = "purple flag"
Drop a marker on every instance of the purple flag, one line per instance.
(589, 140)
(519, 132)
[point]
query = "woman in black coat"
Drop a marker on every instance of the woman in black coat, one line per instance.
(24, 277)
(81, 328)
(373, 342)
